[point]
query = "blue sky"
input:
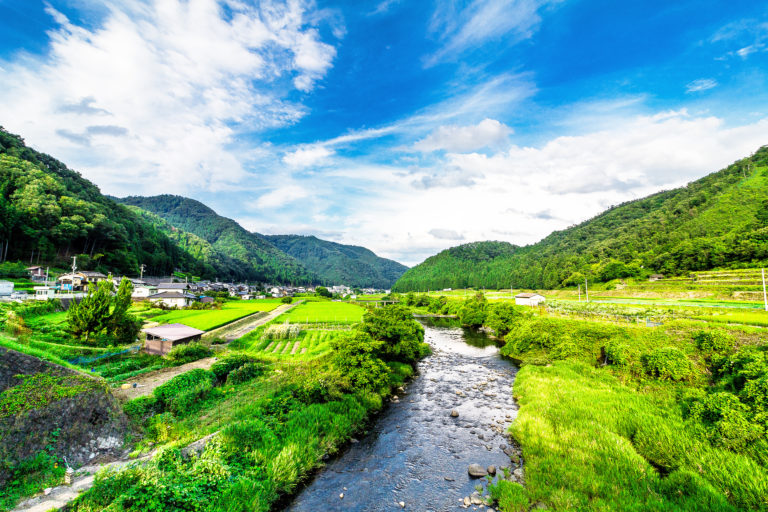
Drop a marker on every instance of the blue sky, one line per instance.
(404, 126)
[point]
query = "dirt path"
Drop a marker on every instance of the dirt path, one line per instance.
(241, 330)
(147, 382)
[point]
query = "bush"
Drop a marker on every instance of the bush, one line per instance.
(186, 402)
(667, 363)
(246, 372)
(356, 356)
(187, 353)
(402, 335)
(226, 365)
(181, 383)
(510, 496)
(726, 421)
(715, 342)
(502, 317)
(141, 408)
(286, 300)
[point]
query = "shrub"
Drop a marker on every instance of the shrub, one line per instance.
(246, 372)
(226, 365)
(402, 336)
(510, 496)
(502, 317)
(726, 421)
(286, 300)
(249, 435)
(473, 311)
(667, 363)
(141, 408)
(189, 400)
(713, 342)
(187, 353)
(618, 353)
(181, 383)
(356, 356)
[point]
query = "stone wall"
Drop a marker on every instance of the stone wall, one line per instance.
(82, 428)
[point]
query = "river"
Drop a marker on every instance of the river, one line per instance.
(415, 452)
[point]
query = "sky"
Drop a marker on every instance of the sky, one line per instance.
(403, 126)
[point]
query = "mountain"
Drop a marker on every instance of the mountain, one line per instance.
(719, 221)
(340, 264)
(256, 256)
(49, 213)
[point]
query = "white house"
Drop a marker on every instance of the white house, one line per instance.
(528, 299)
(141, 292)
(172, 287)
(172, 299)
(6, 288)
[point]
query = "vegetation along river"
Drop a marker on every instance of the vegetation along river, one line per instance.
(416, 453)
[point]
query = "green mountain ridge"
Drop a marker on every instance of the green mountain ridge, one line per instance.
(718, 221)
(49, 213)
(259, 259)
(338, 263)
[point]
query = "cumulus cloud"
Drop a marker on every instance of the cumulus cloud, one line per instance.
(282, 196)
(487, 133)
(702, 84)
(159, 89)
(307, 156)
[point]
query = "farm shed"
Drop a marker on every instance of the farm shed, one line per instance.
(6, 287)
(529, 299)
(162, 339)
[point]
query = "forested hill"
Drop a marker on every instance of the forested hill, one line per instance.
(337, 263)
(49, 213)
(256, 255)
(719, 221)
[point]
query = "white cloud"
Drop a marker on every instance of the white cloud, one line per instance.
(702, 84)
(159, 89)
(307, 156)
(487, 133)
(282, 196)
(445, 234)
(481, 21)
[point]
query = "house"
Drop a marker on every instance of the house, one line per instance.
(80, 279)
(6, 288)
(655, 277)
(163, 338)
(172, 299)
(36, 273)
(207, 300)
(528, 299)
(172, 287)
(143, 291)
(44, 292)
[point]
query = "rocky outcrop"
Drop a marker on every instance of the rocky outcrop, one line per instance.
(83, 427)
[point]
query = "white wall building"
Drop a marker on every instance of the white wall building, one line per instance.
(529, 299)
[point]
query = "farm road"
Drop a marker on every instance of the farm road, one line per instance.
(147, 382)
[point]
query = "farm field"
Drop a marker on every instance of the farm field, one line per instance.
(207, 319)
(323, 312)
(307, 345)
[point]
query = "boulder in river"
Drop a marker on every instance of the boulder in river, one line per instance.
(491, 470)
(476, 470)
(454, 413)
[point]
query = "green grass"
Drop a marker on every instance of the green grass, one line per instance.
(36, 352)
(323, 312)
(592, 443)
(311, 344)
(759, 318)
(207, 319)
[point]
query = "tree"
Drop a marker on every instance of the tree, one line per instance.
(403, 336)
(356, 354)
(472, 312)
(101, 313)
(322, 291)
(502, 317)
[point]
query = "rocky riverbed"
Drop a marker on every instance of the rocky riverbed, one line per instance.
(454, 414)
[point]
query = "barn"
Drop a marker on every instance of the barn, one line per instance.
(163, 338)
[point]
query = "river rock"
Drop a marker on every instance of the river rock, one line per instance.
(491, 470)
(467, 501)
(476, 470)
(454, 413)
(475, 499)
(401, 503)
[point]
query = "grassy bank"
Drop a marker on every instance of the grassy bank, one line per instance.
(617, 417)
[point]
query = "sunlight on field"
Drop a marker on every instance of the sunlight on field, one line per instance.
(208, 319)
(323, 312)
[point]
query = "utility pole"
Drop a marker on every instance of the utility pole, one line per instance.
(579, 293)
(586, 288)
(74, 265)
(765, 297)
(141, 271)
(46, 276)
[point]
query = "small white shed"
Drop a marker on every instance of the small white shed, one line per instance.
(528, 299)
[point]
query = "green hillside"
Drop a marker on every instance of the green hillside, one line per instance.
(719, 221)
(49, 213)
(258, 258)
(340, 264)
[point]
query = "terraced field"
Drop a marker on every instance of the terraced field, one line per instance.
(308, 344)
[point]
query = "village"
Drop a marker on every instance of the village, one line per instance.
(167, 291)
